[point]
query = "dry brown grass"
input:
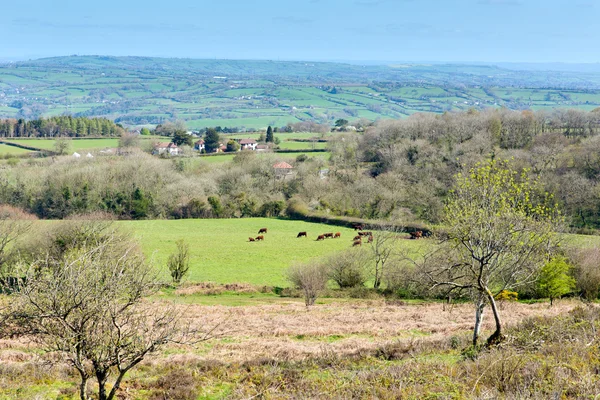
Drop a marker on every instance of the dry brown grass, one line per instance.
(209, 288)
(289, 331)
(254, 343)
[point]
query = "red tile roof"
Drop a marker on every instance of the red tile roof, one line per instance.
(282, 165)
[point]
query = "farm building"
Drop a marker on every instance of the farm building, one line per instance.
(162, 148)
(199, 145)
(262, 147)
(247, 144)
(282, 169)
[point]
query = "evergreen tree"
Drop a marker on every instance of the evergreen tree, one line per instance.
(181, 138)
(211, 140)
(270, 134)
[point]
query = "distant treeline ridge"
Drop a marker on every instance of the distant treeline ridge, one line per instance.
(66, 126)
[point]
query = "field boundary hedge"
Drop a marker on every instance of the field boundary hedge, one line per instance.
(300, 151)
(307, 140)
(350, 222)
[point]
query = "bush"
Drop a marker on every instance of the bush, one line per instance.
(179, 261)
(348, 268)
(272, 208)
(311, 278)
(587, 272)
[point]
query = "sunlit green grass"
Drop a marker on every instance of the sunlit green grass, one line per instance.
(220, 250)
(12, 150)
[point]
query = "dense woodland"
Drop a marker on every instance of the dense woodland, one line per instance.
(62, 126)
(396, 170)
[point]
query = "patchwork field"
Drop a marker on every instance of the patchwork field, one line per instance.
(203, 93)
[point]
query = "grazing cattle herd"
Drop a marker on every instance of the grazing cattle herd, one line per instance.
(356, 240)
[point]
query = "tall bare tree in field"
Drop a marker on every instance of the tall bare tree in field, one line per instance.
(500, 232)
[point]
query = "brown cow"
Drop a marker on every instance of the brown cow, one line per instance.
(370, 238)
(328, 235)
(261, 237)
(321, 237)
(337, 235)
(357, 243)
(302, 234)
(357, 237)
(365, 233)
(358, 227)
(262, 230)
(251, 239)
(416, 234)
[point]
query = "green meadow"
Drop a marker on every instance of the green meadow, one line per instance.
(221, 253)
(12, 150)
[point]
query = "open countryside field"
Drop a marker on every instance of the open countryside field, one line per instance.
(12, 150)
(220, 251)
(75, 144)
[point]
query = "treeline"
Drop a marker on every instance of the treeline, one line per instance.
(395, 171)
(61, 126)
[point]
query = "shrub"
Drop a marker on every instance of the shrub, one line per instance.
(507, 295)
(311, 278)
(179, 261)
(587, 272)
(348, 268)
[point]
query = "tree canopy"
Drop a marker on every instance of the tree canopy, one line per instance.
(500, 231)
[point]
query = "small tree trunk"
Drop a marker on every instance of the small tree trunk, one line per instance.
(551, 300)
(102, 376)
(479, 306)
(83, 387)
(496, 337)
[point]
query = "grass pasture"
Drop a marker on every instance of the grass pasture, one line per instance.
(91, 144)
(221, 253)
(12, 150)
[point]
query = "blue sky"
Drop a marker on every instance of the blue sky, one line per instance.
(375, 30)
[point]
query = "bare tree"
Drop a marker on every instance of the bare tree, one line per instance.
(179, 261)
(310, 277)
(14, 223)
(383, 245)
(89, 307)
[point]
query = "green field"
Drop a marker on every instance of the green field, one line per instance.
(75, 144)
(11, 150)
(302, 145)
(220, 251)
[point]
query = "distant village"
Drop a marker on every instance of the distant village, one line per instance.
(174, 150)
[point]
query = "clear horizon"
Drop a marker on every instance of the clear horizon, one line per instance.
(466, 31)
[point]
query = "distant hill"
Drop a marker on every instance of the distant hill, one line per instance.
(246, 93)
